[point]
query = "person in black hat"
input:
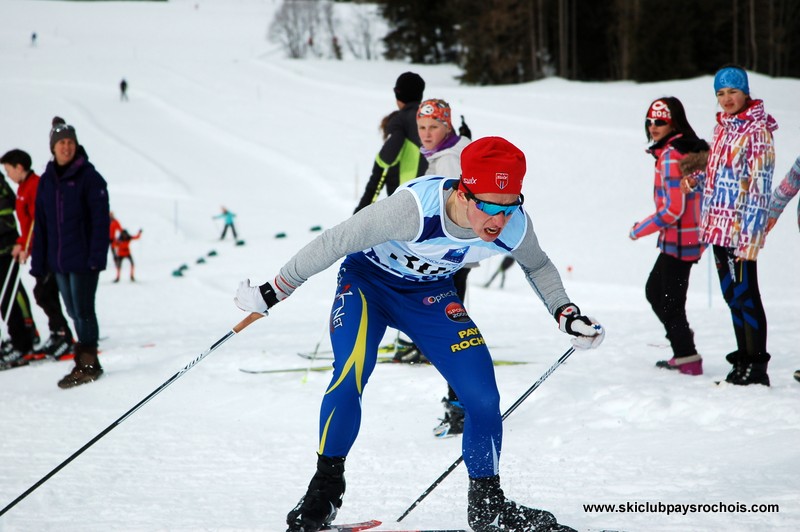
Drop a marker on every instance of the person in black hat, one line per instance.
(400, 151)
(17, 164)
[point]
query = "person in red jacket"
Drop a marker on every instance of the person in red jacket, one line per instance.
(122, 250)
(114, 229)
(17, 164)
(677, 151)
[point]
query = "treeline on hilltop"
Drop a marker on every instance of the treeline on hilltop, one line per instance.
(512, 41)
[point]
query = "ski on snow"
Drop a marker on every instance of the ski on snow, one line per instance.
(352, 527)
(370, 525)
(381, 360)
(387, 359)
(328, 353)
(285, 370)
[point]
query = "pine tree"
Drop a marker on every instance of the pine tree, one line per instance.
(494, 35)
(420, 31)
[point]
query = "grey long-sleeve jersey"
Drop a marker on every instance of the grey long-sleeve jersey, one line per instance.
(397, 218)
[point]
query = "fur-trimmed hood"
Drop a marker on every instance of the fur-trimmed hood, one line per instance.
(693, 162)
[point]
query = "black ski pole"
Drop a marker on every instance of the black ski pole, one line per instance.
(513, 407)
(236, 329)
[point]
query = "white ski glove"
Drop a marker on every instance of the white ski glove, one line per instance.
(249, 298)
(587, 331)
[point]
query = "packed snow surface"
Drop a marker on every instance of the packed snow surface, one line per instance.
(218, 117)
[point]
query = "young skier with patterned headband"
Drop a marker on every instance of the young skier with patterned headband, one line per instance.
(442, 148)
(399, 252)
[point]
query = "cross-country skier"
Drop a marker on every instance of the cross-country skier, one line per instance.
(227, 217)
(401, 254)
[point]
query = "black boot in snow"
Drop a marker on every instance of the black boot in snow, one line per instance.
(748, 369)
(490, 511)
(321, 503)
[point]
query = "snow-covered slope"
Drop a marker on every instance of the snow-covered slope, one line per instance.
(217, 117)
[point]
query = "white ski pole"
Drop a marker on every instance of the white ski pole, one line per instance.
(236, 329)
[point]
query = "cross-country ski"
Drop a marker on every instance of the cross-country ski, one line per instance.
(342, 200)
(381, 360)
(352, 527)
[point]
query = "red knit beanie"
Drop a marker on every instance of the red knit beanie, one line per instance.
(492, 165)
(659, 111)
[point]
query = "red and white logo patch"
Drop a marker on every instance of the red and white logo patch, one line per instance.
(456, 312)
(501, 180)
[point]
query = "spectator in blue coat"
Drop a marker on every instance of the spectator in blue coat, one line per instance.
(70, 239)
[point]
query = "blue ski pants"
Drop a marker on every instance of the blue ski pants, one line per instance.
(367, 301)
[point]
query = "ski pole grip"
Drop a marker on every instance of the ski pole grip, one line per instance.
(239, 327)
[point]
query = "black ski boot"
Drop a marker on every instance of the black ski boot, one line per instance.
(319, 506)
(453, 422)
(490, 511)
(748, 370)
(11, 358)
(410, 355)
(58, 346)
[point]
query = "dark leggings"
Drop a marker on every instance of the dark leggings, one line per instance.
(666, 291)
(739, 282)
(118, 261)
(46, 295)
(21, 328)
(225, 231)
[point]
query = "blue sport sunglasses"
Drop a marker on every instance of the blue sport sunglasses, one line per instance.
(493, 209)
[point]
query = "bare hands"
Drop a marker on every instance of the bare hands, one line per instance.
(687, 184)
(770, 224)
(19, 254)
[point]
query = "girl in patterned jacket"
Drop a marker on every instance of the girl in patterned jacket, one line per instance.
(677, 150)
(736, 197)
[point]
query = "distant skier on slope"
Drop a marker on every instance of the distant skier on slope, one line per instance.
(227, 217)
(122, 246)
(401, 254)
